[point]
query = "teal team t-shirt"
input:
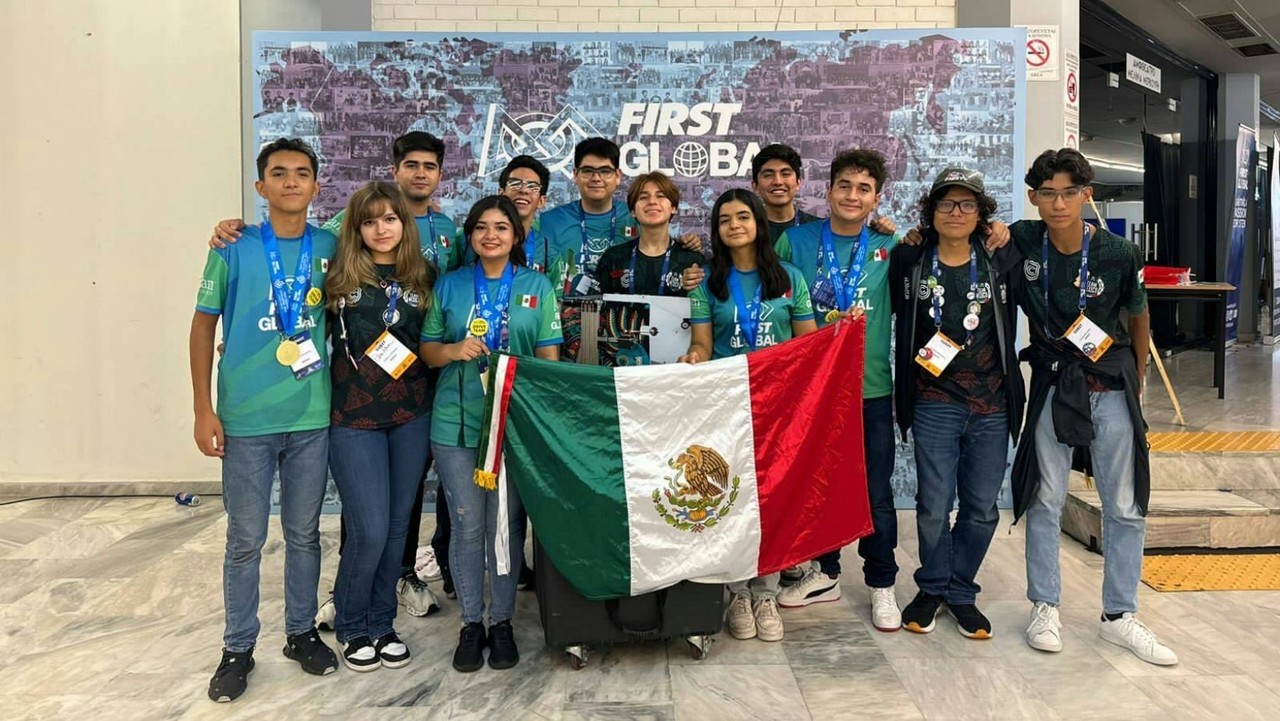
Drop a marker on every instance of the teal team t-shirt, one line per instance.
(444, 246)
(256, 395)
(561, 245)
(776, 314)
(534, 323)
(801, 245)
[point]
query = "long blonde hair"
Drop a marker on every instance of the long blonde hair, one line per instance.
(353, 264)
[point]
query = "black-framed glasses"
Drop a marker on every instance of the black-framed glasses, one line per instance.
(1049, 195)
(604, 172)
(516, 185)
(968, 207)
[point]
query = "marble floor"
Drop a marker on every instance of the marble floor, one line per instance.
(112, 610)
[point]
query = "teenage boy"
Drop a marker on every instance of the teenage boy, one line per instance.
(1087, 368)
(576, 234)
(957, 386)
(846, 263)
(524, 180)
(776, 174)
(273, 407)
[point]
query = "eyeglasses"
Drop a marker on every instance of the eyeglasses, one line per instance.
(968, 207)
(1049, 195)
(516, 185)
(604, 173)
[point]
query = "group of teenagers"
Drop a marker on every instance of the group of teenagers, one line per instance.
(358, 349)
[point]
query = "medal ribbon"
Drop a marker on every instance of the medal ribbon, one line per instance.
(748, 313)
(973, 291)
(288, 302)
(662, 279)
(1084, 274)
(494, 311)
(844, 284)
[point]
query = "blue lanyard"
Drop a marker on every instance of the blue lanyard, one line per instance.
(531, 248)
(662, 279)
(845, 284)
(433, 253)
(393, 297)
(584, 255)
(748, 314)
(973, 291)
(1084, 273)
(494, 310)
(288, 302)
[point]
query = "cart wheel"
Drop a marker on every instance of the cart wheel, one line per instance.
(577, 656)
(699, 646)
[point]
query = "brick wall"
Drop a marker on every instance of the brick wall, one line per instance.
(659, 15)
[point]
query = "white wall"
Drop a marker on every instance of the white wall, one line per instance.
(119, 143)
(659, 15)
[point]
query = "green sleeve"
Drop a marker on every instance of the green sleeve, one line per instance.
(802, 307)
(457, 250)
(433, 326)
(783, 247)
(549, 331)
(212, 296)
(699, 305)
(334, 224)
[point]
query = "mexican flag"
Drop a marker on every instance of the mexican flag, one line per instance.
(639, 477)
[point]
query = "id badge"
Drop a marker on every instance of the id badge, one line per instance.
(1089, 338)
(581, 284)
(309, 360)
(938, 353)
(391, 355)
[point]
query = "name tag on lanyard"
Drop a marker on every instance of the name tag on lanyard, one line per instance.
(938, 353)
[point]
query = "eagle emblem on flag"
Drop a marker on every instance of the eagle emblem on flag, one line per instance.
(700, 493)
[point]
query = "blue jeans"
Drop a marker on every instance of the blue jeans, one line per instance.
(378, 473)
(473, 515)
(957, 452)
(1123, 526)
(248, 470)
(879, 569)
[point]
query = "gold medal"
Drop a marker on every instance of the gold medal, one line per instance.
(314, 296)
(833, 316)
(288, 352)
(479, 327)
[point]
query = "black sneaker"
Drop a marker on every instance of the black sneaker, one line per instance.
(311, 653)
(502, 646)
(232, 676)
(393, 652)
(970, 620)
(919, 615)
(469, 656)
(360, 655)
(448, 583)
(527, 581)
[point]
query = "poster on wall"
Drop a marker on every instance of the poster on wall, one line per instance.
(695, 106)
(1245, 142)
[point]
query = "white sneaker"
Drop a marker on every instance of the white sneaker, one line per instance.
(792, 576)
(425, 564)
(1045, 631)
(326, 614)
(815, 587)
(1128, 632)
(417, 599)
(768, 620)
(742, 622)
(885, 614)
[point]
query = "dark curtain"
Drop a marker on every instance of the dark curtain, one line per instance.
(1161, 163)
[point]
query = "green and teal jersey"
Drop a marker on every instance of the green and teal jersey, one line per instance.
(442, 244)
(256, 395)
(776, 314)
(534, 322)
(561, 248)
(802, 245)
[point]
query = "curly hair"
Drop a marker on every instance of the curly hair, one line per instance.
(929, 204)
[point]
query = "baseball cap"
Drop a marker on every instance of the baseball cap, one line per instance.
(959, 177)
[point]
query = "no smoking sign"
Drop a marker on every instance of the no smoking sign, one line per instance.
(1037, 53)
(1042, 52)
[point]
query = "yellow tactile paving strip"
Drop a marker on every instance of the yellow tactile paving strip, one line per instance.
(1216, 442)
(1213, 572)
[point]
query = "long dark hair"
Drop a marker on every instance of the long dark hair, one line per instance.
(508, 208)
(929, 204)
(773, 277)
